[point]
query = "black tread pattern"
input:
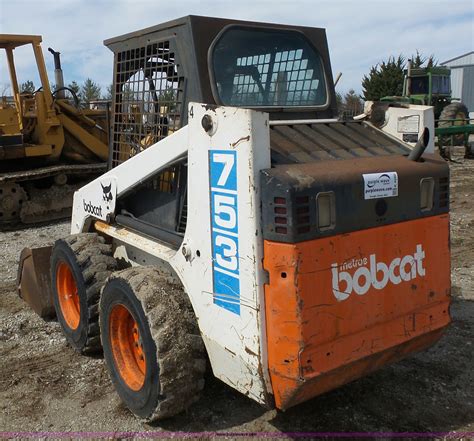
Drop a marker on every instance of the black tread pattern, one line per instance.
(95, 260)
(450, 112)
(180, 351)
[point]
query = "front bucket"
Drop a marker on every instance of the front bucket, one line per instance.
(34, 280)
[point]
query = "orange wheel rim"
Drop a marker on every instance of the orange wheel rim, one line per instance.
(127, 347)
(67, 294)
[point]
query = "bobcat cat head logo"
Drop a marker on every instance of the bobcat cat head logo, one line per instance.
(107, 196)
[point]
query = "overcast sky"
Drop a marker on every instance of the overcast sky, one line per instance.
(360, 32)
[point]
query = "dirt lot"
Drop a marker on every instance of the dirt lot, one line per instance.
(45, 386)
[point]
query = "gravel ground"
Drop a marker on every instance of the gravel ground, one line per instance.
(45, 386)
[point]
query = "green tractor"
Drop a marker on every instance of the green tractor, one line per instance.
(431, 86)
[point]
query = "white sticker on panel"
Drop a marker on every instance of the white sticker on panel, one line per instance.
(408, 124)
(380, 185)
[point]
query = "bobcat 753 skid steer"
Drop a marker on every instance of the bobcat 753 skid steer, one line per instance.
(294, 251)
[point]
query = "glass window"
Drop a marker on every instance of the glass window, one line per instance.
(441, 84)
(265, 67)
(419, 85)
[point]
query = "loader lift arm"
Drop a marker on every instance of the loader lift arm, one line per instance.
(124, 178)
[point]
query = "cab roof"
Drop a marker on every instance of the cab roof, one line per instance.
(14, 40)
(198, 20)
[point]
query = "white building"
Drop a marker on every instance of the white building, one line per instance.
(462, 78)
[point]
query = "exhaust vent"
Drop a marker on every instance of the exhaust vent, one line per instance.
(443, 192)
(281, 215)
(303, 220)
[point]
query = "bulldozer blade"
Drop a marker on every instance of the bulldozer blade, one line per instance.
(34, 280)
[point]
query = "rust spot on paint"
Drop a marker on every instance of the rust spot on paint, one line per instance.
(228, 350)
(211, 107)
(236, 143)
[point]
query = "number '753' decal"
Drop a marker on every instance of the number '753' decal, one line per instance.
(224, 229)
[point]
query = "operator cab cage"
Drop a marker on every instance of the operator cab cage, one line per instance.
(283, 70)
(431, 80)
(279, 69)
(8, 43)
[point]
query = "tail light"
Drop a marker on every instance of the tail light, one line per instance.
(426, 194)
(326, 210)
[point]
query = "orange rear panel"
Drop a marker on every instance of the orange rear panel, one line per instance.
(340, 307)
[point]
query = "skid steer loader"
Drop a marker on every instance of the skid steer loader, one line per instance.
(241, 223)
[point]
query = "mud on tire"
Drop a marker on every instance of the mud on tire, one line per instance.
(454, 111)
(172, 376)
(80, 263)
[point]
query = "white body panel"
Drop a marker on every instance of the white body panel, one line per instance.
(407, 124)
(234, 339)
(223, 243)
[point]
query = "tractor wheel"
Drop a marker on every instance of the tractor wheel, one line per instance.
(80, 264)
(152, 345)
(454, 111)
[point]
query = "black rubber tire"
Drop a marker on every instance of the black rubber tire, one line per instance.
(453, 111)
(175, 355)
(91, 262)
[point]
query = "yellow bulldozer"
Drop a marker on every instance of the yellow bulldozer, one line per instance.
(49, 146)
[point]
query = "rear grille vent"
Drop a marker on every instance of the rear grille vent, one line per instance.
(303, 220)
(293, 217)
(280, 215)
(443, 194)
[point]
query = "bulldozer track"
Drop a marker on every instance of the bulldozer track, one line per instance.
(40, 205)
(46, 172)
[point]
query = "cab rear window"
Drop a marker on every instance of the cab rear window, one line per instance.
(266, 67)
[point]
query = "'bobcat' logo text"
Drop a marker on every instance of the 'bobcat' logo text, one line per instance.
(95, 210)
(375, 274)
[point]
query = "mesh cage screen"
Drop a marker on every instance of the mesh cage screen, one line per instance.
(147, 101)
(290, 83)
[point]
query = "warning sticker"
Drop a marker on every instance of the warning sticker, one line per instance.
(380, 185)
(408, 124)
